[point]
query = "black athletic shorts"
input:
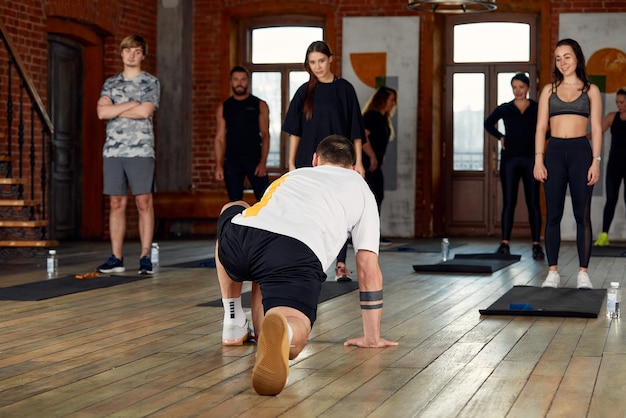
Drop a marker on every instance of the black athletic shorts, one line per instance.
(289, 273)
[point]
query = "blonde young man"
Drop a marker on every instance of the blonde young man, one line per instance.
(128, 101)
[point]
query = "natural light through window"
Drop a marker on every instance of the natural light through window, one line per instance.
(283, 44)
(276, 59)
(492, 42)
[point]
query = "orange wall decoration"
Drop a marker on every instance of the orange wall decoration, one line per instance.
(368, 66)
(610, 63)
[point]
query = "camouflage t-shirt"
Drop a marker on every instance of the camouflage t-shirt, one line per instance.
(127, 137)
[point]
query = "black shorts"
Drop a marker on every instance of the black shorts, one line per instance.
(289, 273)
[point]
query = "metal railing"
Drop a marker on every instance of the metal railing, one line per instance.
(23, 115)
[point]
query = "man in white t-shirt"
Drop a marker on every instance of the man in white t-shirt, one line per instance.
(284, 244)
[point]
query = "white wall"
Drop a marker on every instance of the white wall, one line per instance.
(398, 37)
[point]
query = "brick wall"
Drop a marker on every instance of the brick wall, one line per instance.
(27, 27)
(582, 6)
(27, 33)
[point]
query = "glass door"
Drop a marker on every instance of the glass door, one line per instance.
(482, 58)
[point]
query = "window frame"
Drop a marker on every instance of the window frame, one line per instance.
(244, 55)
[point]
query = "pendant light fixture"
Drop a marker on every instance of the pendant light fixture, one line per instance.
(452, 6)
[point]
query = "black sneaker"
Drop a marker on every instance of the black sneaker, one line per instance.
(145, 265)
(504, 249)
(112, 265)
(538, 252)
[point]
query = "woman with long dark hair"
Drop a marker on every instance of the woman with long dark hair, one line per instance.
(377, 114)
(568, 104)
(325, 105)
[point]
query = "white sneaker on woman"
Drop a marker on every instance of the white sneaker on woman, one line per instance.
(553, 279)
(583, 281)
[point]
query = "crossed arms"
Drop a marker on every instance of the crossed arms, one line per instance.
(132, 110)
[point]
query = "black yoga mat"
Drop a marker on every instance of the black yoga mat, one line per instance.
(205, 262)
(608, 251)
(52, 288)
(538, 301)
(329, 290)
(482, 263)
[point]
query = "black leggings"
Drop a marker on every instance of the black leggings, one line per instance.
(512, 169)
(567, 162)
(376, 181)
(615, 173)
(234, 175)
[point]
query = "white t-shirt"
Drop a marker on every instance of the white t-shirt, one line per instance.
(319, 206)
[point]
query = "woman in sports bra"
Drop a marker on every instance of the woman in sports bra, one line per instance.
(567, 105)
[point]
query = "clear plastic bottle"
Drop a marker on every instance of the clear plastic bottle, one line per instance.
(52, 263)
(154, 254)
(445, 249)
(613, 301)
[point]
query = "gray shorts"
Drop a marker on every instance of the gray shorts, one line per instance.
(119, 173)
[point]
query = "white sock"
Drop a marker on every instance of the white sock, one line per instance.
(289, 332)
(233, 312)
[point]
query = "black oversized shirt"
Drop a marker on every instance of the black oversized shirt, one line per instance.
(520, 128)
(336, 111)
(378, 125)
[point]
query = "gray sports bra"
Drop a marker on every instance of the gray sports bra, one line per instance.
(579, 106)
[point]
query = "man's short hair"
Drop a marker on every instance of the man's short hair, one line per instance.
(239, 69)
(134, 41)
(336, 149)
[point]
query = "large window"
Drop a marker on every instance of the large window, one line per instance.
(487, 47)
(492, 42)
(275, 56)
(469, 112)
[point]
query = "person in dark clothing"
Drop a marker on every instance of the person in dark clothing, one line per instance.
(517, 161)
(568, 105)
(325, 105)
(616, 167)
(243, 139)
(377, 115)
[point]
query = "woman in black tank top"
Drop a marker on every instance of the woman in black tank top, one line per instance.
(615, 169)
(568, 104)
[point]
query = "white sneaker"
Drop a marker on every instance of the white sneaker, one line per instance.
(583, 280)
(553, 279)
(235, 335)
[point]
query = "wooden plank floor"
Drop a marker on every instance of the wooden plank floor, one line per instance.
(147, 348)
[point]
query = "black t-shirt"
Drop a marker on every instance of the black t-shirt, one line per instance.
(618, 135)
(376, 123)
(243, 137)
(520, 128)
(336, 111)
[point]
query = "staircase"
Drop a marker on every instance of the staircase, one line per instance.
(25, 132)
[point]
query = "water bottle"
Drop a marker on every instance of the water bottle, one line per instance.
(445, 249)
(52, 263)
(154, 254)
(613, 301)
